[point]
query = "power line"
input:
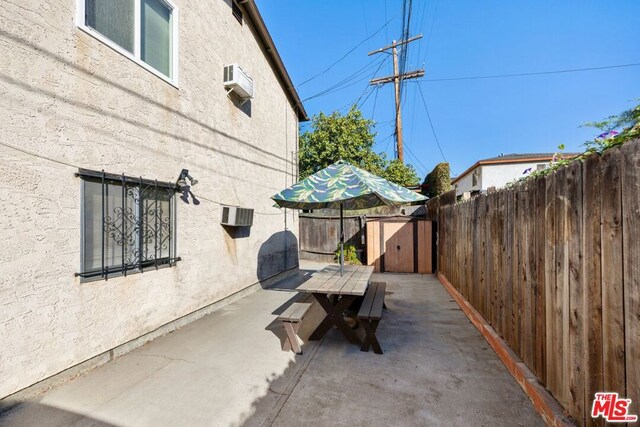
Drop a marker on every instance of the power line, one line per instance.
(346, 54)
(344, 83)
(374, 74)
(426, 109)
(346, 80)
(365, 99)
(386, 33)
(417, 163)
(425, 5)
(388, 139)
(538, 73)
(433, 21)
(366, 27)
(407, 7)
(415, 157)
(375, 101)
(368, 86)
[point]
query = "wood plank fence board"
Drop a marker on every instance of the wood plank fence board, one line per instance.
(495, 251)
(508, 267)
(474, 296)
(562, 284)
(468, 254)
(612, 286)
(487, 262)
(528, 331)
(499, 235)
(575, 328)
(540, 235)
(592, 309)
(630, 155)
(517, 277)
(550, 284)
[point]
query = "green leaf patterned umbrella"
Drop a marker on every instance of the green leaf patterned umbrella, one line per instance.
(344, 186)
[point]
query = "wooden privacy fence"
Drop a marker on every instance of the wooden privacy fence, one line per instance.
(553, 265)
(320, 235)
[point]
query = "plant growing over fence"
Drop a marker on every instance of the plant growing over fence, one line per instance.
(616, 130)
(438, 181)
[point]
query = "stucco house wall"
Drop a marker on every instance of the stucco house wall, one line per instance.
(465, 184)
(69, 101)
(500, 175)
(494, 175)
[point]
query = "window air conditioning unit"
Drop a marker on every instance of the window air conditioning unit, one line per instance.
(236, 80)
(237, 217)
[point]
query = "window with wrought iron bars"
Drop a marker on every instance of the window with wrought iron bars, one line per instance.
(128, 225)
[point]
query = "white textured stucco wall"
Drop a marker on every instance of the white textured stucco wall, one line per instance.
(500, 175)
(69, 101)
(466, 184)
(496, 175)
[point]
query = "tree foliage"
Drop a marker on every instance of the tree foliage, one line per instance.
(400, 173)
(350, 138)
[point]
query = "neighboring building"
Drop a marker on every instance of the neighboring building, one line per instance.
(134, 88)
(498, 171)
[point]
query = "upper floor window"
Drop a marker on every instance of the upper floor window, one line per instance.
(474, 177)
(144, 30)
(236, 11)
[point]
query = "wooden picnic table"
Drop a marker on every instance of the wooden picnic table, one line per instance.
(343, 289)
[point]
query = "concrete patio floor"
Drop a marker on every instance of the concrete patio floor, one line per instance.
(228, 369)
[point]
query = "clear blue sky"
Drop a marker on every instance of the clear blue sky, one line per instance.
(473, 119)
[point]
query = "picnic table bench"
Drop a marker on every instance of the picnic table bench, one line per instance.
(370, 314)
(292, 319)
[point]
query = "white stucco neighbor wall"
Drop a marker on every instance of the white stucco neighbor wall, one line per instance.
(494, 175)
(68, 101)
(500, 175)
(466, 183)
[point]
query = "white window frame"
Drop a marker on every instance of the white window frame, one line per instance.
(135, 56)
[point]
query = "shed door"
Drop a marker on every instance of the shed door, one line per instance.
(398, 244)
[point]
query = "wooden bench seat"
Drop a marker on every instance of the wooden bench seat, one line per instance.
(370, 314)
(292, 319)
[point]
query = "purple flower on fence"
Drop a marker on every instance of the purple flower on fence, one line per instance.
(606, 135)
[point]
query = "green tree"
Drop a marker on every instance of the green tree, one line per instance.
(339, 137)
(350, 138)
(400, 173)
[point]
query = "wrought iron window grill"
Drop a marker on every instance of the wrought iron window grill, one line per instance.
(128, 224)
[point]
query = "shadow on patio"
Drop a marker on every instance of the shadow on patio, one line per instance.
(228, 369)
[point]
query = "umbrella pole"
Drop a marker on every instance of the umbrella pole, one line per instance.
(341, 241)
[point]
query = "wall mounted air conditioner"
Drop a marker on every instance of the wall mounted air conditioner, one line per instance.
(237, 217)
(238, 81)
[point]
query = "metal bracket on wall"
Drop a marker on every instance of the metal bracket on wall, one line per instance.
(244, 100)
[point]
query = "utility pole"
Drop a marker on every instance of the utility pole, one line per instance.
(396, 78)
